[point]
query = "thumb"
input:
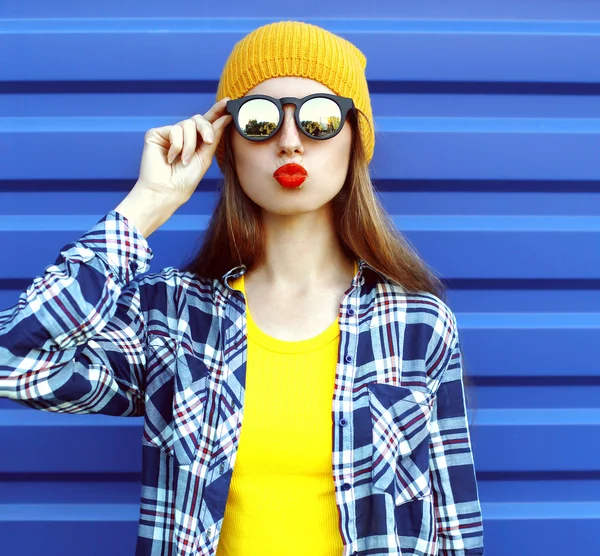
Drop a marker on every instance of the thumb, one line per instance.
(218, 126)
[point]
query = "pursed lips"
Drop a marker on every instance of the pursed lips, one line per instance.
(290, 175)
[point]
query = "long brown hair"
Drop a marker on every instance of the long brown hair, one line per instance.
(235, 234)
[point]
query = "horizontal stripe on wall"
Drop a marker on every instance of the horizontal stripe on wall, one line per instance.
(537, 149)
(424, 50)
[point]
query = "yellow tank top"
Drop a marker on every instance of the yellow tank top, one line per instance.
(282, 497)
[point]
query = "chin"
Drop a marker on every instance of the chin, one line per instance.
(287, 209)
(288, 202)
(290, 207)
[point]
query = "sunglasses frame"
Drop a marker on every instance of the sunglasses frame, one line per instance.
(345, 105)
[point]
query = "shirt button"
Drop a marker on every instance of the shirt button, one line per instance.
(348, 358)
(346, 486)
(350, 312)
(134, 266)
(343, 422)
(222, 468)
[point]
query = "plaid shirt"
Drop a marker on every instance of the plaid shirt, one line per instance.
(90, 336)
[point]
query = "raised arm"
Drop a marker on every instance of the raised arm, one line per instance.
(74, 342)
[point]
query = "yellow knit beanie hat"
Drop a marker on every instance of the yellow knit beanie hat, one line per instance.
(298, 49)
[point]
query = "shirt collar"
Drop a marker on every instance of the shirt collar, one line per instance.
(369, 273)
(232, 274)
(365, 273)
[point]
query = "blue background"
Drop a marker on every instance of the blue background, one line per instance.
(487, 155)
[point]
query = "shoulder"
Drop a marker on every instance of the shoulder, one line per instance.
(170, 295)
(416, 308)
(170, 278)
(427, 325)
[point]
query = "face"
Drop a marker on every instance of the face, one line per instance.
(325, 161)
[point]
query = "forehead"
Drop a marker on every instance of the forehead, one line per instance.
(279, 87)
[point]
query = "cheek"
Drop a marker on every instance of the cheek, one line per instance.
(343, 141)
(336, 152)
(246, 154)
(237, 147)
(248, 161)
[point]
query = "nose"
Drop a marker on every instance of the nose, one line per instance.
(289, 140)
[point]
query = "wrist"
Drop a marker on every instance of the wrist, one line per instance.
(146, 209)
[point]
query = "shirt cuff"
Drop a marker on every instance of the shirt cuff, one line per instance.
(116, 241)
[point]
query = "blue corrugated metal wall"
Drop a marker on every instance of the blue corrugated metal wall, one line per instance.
(487, 155)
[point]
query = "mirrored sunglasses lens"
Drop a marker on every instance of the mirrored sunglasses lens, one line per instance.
(258, 118)
(320, 117)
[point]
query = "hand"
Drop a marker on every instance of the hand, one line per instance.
(176, 157)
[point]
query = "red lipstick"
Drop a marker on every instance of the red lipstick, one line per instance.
(290, 175)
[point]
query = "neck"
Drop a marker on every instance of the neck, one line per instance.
(302, 252)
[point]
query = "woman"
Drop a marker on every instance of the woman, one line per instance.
(305, 316)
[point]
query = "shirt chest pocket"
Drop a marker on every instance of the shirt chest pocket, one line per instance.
(176, 395)
(400, 420)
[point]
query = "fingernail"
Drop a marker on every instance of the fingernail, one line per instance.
(185, 161)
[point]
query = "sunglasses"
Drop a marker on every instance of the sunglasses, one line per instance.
(319, 116)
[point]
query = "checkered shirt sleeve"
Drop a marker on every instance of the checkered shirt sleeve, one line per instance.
(458, 512)
(74, 341)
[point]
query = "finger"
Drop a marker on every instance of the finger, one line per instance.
(159, 136)
(220, 125)
(216, 110)
(205, 128)
(189, 140)
(207, 150)
(176, 142)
